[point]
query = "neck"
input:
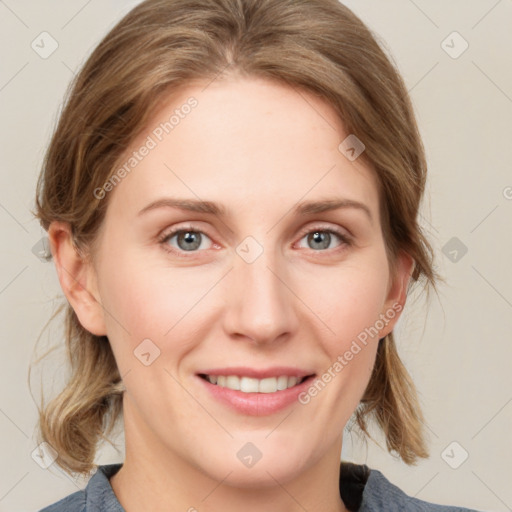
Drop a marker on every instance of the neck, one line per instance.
(154, 478)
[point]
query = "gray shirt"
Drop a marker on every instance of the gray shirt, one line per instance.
(361, 489)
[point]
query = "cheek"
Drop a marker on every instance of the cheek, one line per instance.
(349, 301)
(143, 301)
(146, 298)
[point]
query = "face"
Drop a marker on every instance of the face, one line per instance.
(266, 287)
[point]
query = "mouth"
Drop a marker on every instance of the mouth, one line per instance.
(253, 385)
(255, 392)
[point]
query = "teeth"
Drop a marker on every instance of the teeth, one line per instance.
(232, 382)
(250, 385)
(282, 383)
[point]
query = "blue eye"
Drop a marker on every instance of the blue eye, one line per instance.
(187, 240)
(191, 240)
(322, 238)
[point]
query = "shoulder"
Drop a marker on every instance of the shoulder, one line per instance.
(96, 497)
(380, 494)
(73, 503)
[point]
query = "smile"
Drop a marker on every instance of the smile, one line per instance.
(255, 392)
(253, 385)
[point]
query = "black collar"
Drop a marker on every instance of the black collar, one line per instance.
(353, 478)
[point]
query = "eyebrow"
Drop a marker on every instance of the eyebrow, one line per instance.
(209, 207)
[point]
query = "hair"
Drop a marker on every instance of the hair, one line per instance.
(316, 46)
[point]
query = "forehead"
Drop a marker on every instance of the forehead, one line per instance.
(246, 143)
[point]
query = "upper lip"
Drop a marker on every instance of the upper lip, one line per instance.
(244, 371)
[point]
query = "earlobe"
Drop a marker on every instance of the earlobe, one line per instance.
(397, 294)
(77, 278)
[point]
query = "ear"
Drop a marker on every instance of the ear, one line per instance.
(77, 278)
(397, 292)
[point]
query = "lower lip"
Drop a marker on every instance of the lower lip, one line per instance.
(257, 404)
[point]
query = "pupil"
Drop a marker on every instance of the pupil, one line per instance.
(188, 238)
(321, 238)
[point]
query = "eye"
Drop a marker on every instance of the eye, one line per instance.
(187, 239)
(321, 238)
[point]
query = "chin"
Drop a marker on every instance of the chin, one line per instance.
(261, 475)
(242, 472)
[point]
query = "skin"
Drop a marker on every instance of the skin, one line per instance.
(258, 148)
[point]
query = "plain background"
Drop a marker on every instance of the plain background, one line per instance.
(457, 348)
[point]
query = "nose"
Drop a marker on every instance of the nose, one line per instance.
(260, 303)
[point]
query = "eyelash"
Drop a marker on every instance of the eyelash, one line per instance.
(346, 241)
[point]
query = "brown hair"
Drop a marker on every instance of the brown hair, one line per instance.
(318, 46)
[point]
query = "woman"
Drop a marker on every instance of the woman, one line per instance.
(231, 198)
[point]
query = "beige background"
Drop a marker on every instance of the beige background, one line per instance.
(459, 353)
